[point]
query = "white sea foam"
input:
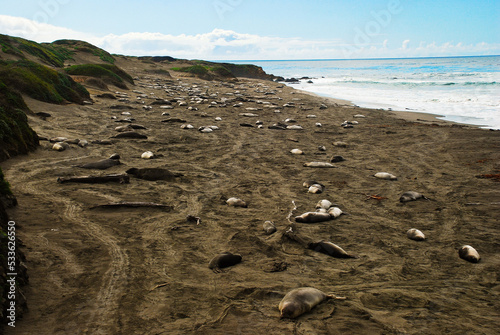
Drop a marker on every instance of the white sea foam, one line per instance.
(461, 89)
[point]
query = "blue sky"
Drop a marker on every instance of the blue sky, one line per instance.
(264, 29)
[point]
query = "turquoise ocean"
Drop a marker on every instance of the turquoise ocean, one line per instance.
(460, 89)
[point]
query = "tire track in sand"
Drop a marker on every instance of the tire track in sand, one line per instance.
(31, 182)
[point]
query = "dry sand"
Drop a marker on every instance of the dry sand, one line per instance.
(145, 271)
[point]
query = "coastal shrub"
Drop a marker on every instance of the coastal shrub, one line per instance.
(16, 136)
(83, 46)
(47, 54)
(198, 70)
(221, 71)
(41, 83)
(4, 185)
(110, 74)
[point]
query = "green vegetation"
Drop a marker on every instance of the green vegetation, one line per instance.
(4, 185)
(47, 54)
(110, 74)
(41, 82)
(16, 136)
(84, 47)
(198, 70)
(54, 53)
(206, 70)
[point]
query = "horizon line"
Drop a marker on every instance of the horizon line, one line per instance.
(339, 59)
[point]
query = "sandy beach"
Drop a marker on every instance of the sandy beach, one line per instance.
(145, 270)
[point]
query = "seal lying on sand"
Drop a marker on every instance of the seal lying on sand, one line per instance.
(236, 202)
(313, 217)
(117, 178)
(269, 227)
(411, 196)
(153, 174)
(130, 134)
(330, 249)
(224, 260)
(469, 254)
(302, 300)
(415, 234)
(319, 165)
(385, 175)
(102, 164)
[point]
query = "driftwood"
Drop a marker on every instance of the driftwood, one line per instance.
(133, 205)
(115, 178)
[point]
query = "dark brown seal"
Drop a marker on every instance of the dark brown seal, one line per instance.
(224, 260)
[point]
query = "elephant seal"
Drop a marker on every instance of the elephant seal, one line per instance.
(316, 188)
(411, 196)
(301, 300)
(469, 254)
(296, 152)
(334, 212)
(147, 155)
(385, 175)
(415, 234)
(130, 134)
(236, 202)
(153, 174)
(330, 249)
(102, 164)
(309, 183)
(224, 260)
(60, 146)
(337, 159)
(324, 204)
(269, 227)
(313, 217)
(319, 165)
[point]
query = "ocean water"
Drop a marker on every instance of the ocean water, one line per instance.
(460, 89)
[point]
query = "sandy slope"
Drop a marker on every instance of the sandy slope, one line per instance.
(145, 271)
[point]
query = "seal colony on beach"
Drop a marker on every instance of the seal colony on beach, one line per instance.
(166, 227)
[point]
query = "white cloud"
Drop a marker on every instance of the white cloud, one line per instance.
(227, 44)
(36, 31)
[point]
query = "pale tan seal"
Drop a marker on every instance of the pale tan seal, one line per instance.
(334, 212)
(385, 175)
(236, 202)
(415, 234)
(147, 155)
(301, 300)
(411, 196)
(326, 204)
(469, 254)
(319, 165)
(269, 227)
(60, 146)
(296, 152)
(316, 188)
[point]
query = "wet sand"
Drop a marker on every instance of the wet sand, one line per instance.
(145, 270)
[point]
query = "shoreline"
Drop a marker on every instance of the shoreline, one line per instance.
(411, 116)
